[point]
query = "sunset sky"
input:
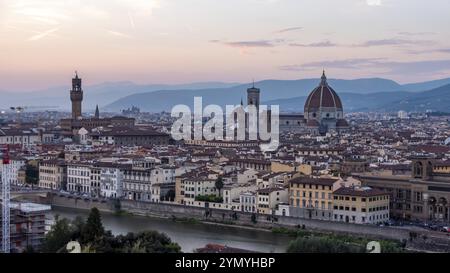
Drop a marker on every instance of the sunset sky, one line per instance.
(178, 41)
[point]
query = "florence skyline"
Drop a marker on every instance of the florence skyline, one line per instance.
(172, 41)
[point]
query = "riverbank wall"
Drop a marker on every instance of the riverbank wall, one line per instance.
(258, 221)
(227, 217)
(81, 203)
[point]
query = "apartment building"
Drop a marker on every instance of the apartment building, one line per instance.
(311, 198)
(111, 181)
(267, 199)
(13, 169)
(193, 184)
(248, 201)
(79, 178)
(360, 205)
(53, 175)
(137, 185)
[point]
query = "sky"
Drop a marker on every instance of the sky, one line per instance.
(179, 41)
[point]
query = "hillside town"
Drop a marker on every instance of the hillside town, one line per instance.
(379, 169)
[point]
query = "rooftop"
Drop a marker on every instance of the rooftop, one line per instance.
(30, 207)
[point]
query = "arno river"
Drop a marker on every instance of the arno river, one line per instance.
(189, 236)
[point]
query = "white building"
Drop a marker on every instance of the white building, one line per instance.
(111, 182)
(22, 137)
(163, 174)
(79, 178)
(15, 164)
(232, 192)
(137, 185)
(402, 114)
(248, 201)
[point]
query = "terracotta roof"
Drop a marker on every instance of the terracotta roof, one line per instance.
(363, 192)
(314, 181)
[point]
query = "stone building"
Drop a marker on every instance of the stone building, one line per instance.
(422, 195)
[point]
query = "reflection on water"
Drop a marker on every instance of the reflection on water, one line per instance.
(189, 236)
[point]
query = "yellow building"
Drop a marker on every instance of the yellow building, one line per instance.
(53, 175)
(360, 205)
(442, 167)
(312, 197)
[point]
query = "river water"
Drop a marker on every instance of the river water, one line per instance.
(188, 235)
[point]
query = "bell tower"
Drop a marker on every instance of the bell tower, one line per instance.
(253, 96)
(76, 96)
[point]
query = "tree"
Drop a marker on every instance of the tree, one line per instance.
(31, 174)
(94, 239)
(322, 245)
(147, 242)
(219, 184)
(78, 225)
(93, 229)
(59, 235)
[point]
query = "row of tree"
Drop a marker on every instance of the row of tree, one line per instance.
(93, 238)
(339, 244)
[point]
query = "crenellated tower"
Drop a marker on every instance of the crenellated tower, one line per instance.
(76, 96)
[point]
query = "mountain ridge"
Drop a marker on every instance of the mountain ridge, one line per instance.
(272, 90)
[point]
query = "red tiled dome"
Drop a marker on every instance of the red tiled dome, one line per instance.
(322, 96)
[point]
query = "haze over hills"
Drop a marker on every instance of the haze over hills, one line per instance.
(100, 94)
(357, 95)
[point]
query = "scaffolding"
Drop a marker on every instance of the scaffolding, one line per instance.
(5, 178)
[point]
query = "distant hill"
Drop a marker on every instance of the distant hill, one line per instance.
(270, 90)
(100, 94)
(352, 102)
(437, 99)
(421, 86)
(357, 95)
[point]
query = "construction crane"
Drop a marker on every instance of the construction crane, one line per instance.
(6, 190)
(18, 110)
